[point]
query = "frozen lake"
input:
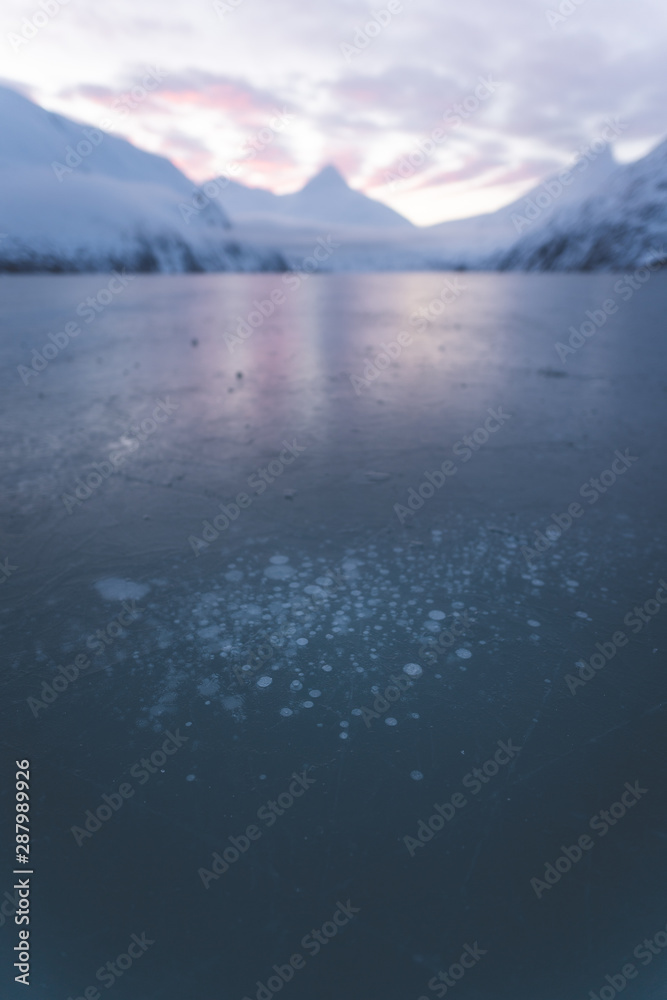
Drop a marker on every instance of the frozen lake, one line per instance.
(208, 473)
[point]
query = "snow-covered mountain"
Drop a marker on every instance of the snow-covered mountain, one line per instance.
(73, 198)
(480, 240)
(596, 214)
(620, 224)
(325, 200)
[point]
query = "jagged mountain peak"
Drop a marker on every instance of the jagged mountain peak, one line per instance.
(326, 178)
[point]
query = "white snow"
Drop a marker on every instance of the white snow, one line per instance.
(118, 206)
(619, 222)
(325, 200)
(113, 206)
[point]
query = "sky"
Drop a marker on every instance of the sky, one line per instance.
(442, 110)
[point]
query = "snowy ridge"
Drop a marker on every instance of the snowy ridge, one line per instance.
(623, 225)
(325, 200)
(596, 215)
(480, 239)
(73, 198)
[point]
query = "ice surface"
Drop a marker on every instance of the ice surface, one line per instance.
(377, 581)
(113, 588)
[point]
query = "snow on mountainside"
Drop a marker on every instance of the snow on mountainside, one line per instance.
(73, 198)
(480, 239)
(325, 200)
(623, 224)
(593, 214)
(241, 201)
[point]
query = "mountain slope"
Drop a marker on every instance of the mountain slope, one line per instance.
(73, 198)
(325, 200)
(478, 243)
(480, 239)
(597, 215)
(622, 225)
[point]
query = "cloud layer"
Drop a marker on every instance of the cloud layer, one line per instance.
(365, 85)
